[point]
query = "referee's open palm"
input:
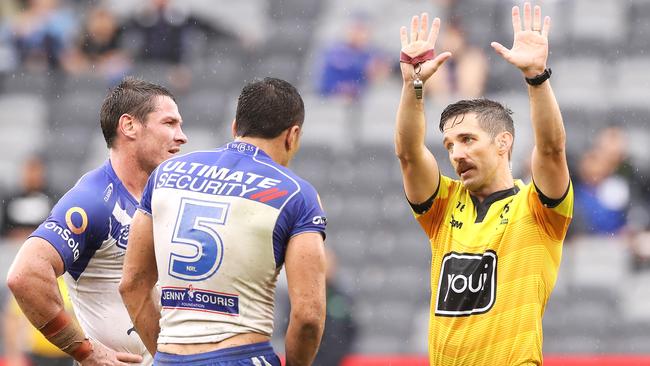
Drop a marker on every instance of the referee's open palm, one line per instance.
(420, 41)
(530, 47)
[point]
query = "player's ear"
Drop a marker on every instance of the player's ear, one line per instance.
(292, 137)
(233, 128)
(126, 126)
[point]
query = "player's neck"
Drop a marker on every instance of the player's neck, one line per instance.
(273, 148)
(128, 171)
(500, 182)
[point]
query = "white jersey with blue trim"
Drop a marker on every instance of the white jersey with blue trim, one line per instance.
(222, 220)
(89, 227)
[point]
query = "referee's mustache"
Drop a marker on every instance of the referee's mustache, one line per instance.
(464, 166)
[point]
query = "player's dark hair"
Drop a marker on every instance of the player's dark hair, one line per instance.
(132, 96)
(267, 107)
(493, 117)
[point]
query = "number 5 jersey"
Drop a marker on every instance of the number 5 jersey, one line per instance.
(222, 220)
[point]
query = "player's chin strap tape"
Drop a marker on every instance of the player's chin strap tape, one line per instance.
(426, 56)
(64, 333)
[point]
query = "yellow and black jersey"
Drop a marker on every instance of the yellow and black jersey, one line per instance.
(493, 268)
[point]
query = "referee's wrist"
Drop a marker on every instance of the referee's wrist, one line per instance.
(540, 78)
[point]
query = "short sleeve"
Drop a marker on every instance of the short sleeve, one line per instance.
(77, 224)
(304, 213)
(310, 216)
(431, 219)
(553, 219)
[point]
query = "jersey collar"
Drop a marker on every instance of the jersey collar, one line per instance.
(108, 167)
(483, 207)
(246, 148)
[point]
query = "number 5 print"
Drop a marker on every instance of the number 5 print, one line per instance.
(197, 249)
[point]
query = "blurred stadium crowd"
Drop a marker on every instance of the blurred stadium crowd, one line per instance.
(58, 57)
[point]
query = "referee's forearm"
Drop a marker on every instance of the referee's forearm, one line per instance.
(548, 127)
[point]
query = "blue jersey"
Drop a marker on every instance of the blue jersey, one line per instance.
(89, 228)
(222, 220)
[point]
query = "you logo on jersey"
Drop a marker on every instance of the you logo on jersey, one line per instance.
(467, 284)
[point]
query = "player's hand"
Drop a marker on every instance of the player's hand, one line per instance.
(421, 40)
(104, 356)
(529, 50)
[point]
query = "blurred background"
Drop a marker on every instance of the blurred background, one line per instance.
(59, 57)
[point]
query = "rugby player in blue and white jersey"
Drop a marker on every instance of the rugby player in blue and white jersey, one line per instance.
(214, 228)
(86, 234)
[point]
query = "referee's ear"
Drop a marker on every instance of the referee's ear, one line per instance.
(126, 126)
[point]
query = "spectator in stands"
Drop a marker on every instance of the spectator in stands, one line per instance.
(98, 49)
(349, 65)
(462, 76)
(603, 188)
(24, 210)
(165, 30)
(340, 328)
(41, 33)
(9, 10)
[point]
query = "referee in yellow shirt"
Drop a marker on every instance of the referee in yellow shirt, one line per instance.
(496, 242)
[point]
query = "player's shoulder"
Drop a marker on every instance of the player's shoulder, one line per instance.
(306, 191)
(94, 192)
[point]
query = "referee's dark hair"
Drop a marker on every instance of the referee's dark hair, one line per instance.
(267, 107)
(493, 117)
(132, 96)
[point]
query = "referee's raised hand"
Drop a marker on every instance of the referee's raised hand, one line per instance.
(419, 42)
(529, 50)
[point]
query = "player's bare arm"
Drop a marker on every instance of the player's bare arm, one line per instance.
(419, 167)
(138, 280)
(32, 280)
(305, 266)
(529, 54)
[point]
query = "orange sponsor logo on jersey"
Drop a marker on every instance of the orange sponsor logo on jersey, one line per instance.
(84, 220)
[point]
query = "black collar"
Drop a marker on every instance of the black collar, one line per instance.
(483, 207)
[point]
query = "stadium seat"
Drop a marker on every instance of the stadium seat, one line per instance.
(580, 81)
(283, 10)
(277, 65)
(206, 108)
(586, 18)
(67, 151)
(76, 108)
(378, 116)
(21, 81)
(637, 41)
(599, 262)
(154, 72)
(326, 123)
(578, 321)
(22, 132)
(631, 88)
(634, 293)
(223, 72)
